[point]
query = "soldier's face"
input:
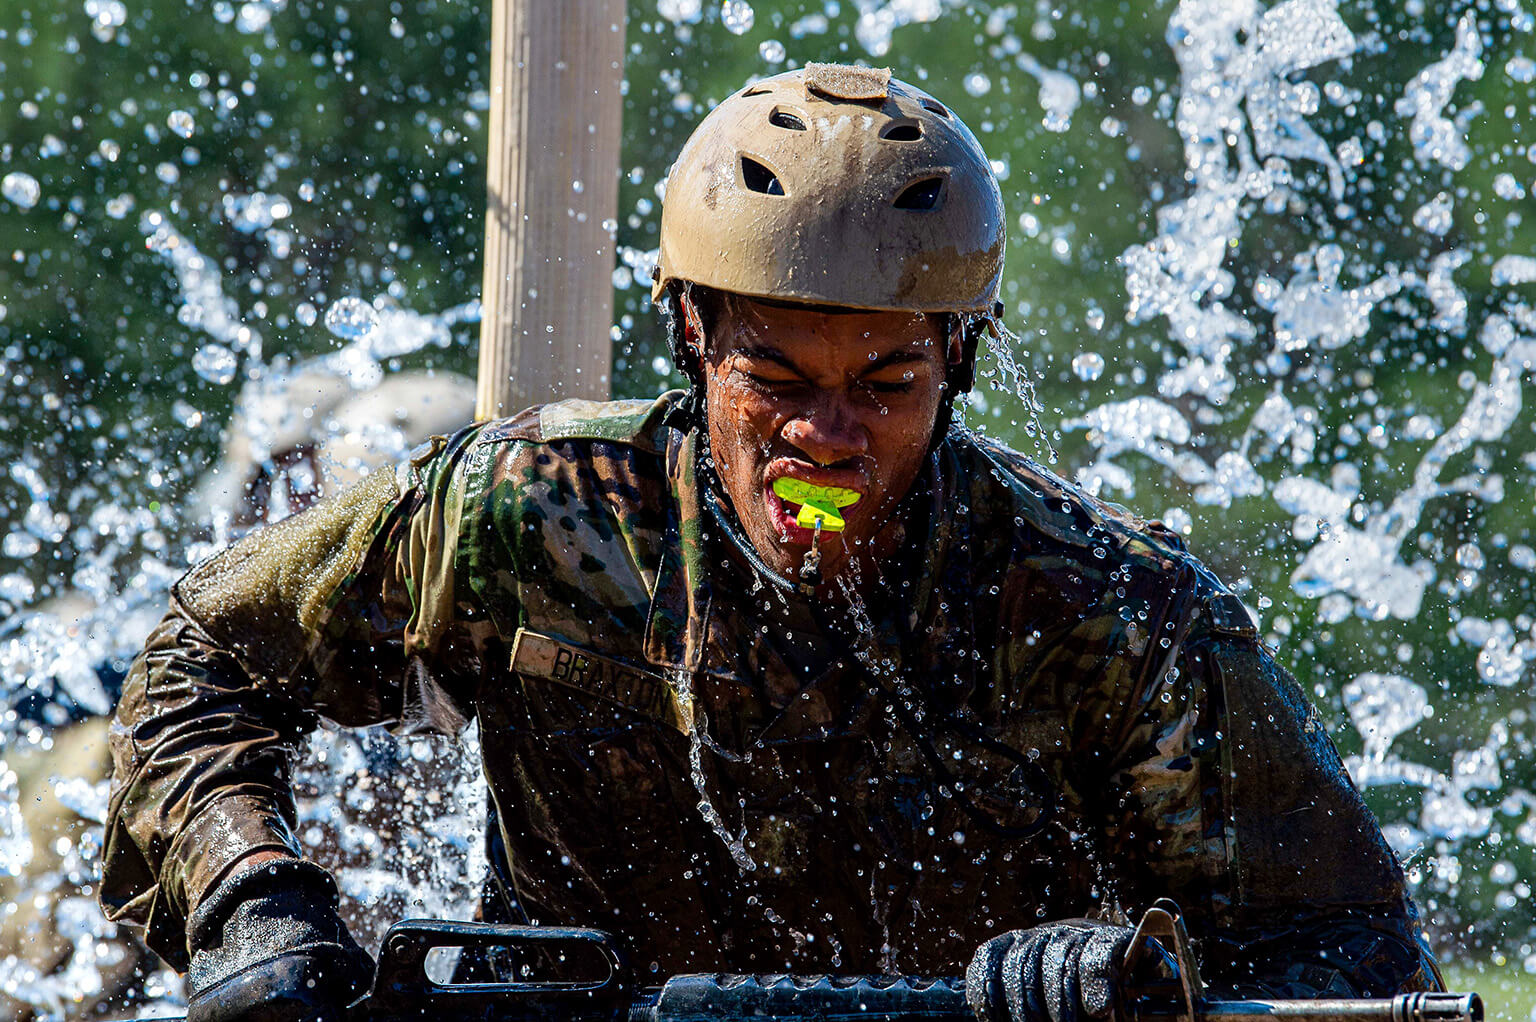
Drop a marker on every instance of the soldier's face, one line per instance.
(835, 398)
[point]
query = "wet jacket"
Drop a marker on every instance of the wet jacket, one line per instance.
(1042, 708)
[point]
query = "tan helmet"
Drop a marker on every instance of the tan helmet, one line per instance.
(835, 185)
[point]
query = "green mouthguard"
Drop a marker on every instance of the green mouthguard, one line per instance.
(816, 502)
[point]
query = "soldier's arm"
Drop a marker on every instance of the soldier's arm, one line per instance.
(1233, 801)
(347, 611)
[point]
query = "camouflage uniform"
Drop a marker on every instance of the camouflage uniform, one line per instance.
(1050, 710)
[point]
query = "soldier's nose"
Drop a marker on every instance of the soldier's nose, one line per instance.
(828, 436)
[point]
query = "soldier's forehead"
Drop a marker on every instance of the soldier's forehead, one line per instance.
(756, 323)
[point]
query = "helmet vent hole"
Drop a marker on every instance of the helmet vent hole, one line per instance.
(784, 119)
(756, 90)
(934, 106)
(759, 178)
(902, 131)
(921, 195)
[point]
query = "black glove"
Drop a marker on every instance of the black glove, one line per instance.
(268, 946)
(1060, 972)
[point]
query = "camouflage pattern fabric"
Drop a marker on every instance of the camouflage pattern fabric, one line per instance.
(1043, 708)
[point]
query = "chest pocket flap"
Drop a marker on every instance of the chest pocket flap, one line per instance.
(570, 687)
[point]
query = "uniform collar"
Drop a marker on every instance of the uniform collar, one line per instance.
(679, 614)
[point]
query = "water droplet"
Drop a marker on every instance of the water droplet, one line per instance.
(215, 363)
(253, 17)
(306, 314)
(771, 51)
(1468, 555)
(680, 12)
(20, 544)
(181, 122)
(350, 318)
(977, 84)
(21, 188)
(1177, 519)
(737, 16)
(1088, 365)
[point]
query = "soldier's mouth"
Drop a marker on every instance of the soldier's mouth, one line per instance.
(796, 499)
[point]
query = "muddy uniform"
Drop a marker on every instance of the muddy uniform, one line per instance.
(1041, 709)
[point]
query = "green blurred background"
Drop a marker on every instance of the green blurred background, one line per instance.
(369, 119)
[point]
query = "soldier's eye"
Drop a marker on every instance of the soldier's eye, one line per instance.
(771, 379)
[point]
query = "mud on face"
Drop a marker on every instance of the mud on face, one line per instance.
(830, 397)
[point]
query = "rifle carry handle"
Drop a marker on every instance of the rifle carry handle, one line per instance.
(578, 975)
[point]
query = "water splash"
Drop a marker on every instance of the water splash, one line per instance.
(878, 21)
(735, 844)
(1059, 96)
(15, 841)
(127, 559)
(1235, 64)
(1437, 138)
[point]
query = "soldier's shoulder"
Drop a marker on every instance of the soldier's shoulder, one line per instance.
(1043, 502)
(639, 423)
(1099, 536)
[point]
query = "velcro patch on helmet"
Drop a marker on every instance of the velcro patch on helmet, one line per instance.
(845, 81)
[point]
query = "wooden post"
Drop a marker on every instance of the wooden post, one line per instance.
(552, 184)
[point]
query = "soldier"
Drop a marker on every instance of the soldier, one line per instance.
(784, 673)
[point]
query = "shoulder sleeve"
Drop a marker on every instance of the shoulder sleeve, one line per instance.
(1233, 801)
(351, 606)
(351, 611)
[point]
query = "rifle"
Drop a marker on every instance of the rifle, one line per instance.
(588, 981)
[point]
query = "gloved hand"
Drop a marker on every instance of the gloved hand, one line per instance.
(1060, 972)
(268, 946)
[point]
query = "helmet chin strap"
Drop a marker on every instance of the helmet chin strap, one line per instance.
(712, 495)
(959, 373)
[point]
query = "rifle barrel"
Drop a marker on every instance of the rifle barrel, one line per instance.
(1421, 1007)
